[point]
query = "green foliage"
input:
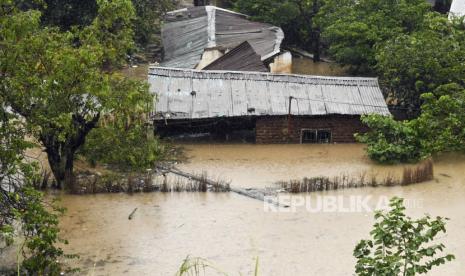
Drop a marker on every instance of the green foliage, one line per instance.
(147, 24)
(124, 138)
(439, 128)
(111, 32)
(37, 230)
(61, 82)
(144, 17)
(199, 266)
(39, 227)
(401, 245)
(356, 29)
(130, 148)
(24, 214)
(441, 125)
(195, 266)
(266, 10)
(68, 13)
(419, 62)
(295, 17)
(390, 141)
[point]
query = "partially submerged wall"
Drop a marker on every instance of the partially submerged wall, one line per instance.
(208, 56)
(282, 63)
(277, 129)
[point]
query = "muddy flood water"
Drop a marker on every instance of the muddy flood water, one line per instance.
(306, 66)
(231, 231)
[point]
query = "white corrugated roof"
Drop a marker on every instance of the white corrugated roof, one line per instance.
(457, 8)
(195, 94)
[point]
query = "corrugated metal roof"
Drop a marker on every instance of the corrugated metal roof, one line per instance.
(188, 32)
(194, 94)
(241, 58)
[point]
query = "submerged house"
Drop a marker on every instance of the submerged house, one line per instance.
(194, 37)
(278, 108)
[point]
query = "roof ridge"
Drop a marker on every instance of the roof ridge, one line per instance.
(158, 70)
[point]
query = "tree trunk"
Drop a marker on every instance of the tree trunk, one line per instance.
(69, 175)
(313, 41)
(315, 30)
(61, 161)
(55, 161)
(316, 45)
(61, 153)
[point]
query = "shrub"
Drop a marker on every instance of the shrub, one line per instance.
(391, 141)
(401, 245)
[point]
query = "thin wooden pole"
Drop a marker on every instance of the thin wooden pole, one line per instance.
(248, 193)
(289, 118)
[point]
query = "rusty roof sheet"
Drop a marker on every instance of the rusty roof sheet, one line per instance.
(195, 94)
(186, 33)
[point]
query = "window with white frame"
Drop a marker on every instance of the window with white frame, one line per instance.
(315, 136)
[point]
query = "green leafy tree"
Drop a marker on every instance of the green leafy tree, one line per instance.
(390, 141)
(441, 125)
(412, 64)
(439, 128)
(24, 214)
(295, 17)
(124, 138)
(62, 82)
(147, 24)
(354, 29)
(67, 14)
(401, 245)
(126, 147)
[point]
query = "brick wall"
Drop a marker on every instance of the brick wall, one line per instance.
(274, 129)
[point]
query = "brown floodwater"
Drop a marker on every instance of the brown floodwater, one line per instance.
(259, 166)
(231, 231)
(306, 66)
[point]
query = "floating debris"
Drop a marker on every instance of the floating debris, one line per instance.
(131, 216)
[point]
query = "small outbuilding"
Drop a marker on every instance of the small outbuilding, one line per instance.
(279, 108)
(194, 37)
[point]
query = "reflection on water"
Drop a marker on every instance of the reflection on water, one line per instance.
(231, 230)
(306, 66)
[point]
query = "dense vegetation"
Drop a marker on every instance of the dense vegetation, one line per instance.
(25, 217)
(416, 51)
(67, 14)
(401, 245)
(421, 65)
(63, 83)
(297, 18)
(61, 87)
(419, 56)
(356, 30)
(439, 128)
